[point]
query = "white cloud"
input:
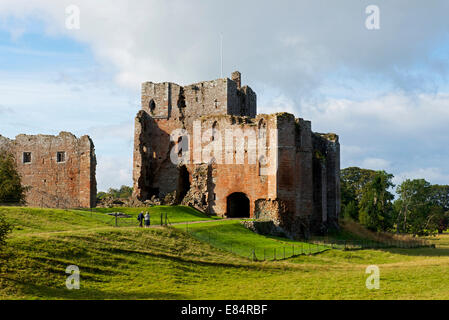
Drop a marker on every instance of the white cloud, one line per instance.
(113, 171)
(375, 164)
(281, 44)
(433, 175)
(380, 91)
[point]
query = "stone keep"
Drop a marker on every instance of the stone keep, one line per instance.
(301, 190)
(59, 170)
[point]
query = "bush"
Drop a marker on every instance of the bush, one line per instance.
(11, 190)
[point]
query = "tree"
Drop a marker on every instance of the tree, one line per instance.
(439, 196)
(353, 180)
(123, 193)
(351, 211)
(417, 212)
(376, 208)
(11, 190)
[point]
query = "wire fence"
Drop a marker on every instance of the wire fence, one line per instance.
(372, 244)
(119, 219)
(278, 250)
(284, 250)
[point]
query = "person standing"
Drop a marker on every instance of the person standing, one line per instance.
(147, 220)
(140, 217)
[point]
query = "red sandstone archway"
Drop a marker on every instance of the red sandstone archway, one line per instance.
(237, 206)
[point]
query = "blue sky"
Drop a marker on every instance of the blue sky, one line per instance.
(385, 92)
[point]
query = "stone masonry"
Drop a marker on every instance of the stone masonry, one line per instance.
(291, 177)
(59, 170)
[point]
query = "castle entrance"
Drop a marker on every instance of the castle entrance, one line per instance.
(237, 205)
(183, 183)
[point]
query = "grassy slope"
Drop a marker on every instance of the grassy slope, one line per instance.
(234, 237)
(175, 214)
(26, 220)
(134, 263)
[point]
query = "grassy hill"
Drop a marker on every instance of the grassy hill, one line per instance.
(168, 263)
(28, 220)
(232, 236)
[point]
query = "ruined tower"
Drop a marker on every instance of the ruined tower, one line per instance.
(59, 171)
(207, 143)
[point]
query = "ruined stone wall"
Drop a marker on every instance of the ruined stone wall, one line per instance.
(64, 181)
(326, 184)
(238, 170)
(299, 188)
(216, 97)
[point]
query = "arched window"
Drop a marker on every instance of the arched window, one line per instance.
(152, 106)
(214, 130)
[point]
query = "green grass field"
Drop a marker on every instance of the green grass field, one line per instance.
(168, 263)
(233, 237)
(36, 220)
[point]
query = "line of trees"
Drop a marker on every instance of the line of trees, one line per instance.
(123, 192)
(419, 209)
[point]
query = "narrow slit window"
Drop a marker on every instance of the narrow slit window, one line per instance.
(60, 156)
(27, 157)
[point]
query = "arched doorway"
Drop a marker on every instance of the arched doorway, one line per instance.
(183, 183)
(237, 205)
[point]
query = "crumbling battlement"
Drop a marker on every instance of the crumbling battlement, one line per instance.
(59, 170)
(222, 96)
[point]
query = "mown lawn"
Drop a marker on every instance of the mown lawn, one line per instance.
(232, 236)
(27, 220)
(175, 214)
(168, 263)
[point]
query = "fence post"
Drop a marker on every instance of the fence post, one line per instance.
(116, 219)
(274, 254)
(161, 219)
(166, 219)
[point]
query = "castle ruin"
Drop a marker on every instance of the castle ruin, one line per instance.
(206, 145)
(59, 171)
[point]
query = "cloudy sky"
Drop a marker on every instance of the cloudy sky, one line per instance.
(385, 91)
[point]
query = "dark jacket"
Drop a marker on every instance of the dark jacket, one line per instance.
(140, 216)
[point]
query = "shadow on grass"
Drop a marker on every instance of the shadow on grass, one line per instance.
(426, 252)
(34, 291)
(179, 259)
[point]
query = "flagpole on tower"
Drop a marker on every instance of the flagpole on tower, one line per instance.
(221, 54)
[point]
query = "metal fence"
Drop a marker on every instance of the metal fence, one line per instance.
(256, 252)
(307, 247)
(120, 219)
(372, 244)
